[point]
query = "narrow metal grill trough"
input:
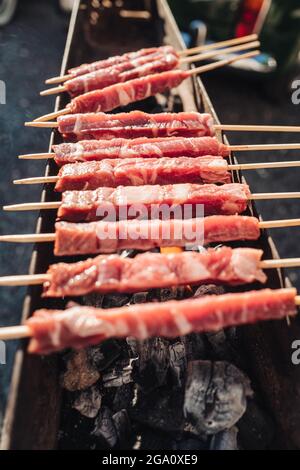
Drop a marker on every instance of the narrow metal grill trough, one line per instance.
(234, 389)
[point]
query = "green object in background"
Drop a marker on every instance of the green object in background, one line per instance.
(277, 22)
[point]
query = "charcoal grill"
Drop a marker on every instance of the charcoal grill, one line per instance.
(38, 411)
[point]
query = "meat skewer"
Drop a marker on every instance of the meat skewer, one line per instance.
(168, 147)
(155, 201)
(139, 124)
(131, 57)
(133, 125)
(105, 274)
(121, 94)
(139, 171)
(109, 237)
(147, 65)
(81, 326)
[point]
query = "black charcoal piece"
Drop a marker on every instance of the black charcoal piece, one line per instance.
(80, 373)
(119, 375)
(115, 300)
(209, 289)
(88, 402)
(103, 356)
(162, 409)
(123, 397)
(256, 428)
(225, 440)
(151, 367)
(215, 396)
(104, 430)
(123, 427)
(190, 443)
(139, 298)
(178, 362)
(219, 346)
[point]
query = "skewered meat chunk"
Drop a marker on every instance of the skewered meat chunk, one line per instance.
(168, 147)
(99, 79)
(121, 94)
(78, 327)
(142, 171)
(110, 237)
(135, 124)
(130, 201)
(128, 58)
(146, 271)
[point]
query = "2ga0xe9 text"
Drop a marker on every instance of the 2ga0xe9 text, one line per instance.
(151, 459)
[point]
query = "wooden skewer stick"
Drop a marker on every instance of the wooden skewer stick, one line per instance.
(50, 237)
(48, 117)
(243, 166)
(233, 148)
(223, 63)
(29, 238)
(24, 331)
(30, 206)
(262, 147)
(255, 128)
(194, 50)
(58, 79)
(54, 91)
(185, 60)
(195, 71)
(26, 280)
(218, 45)
(38, 279)
(211, 54)
(50, 124)
(15, 332)
(36, 156)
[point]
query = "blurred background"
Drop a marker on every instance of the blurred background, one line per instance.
(259, 91)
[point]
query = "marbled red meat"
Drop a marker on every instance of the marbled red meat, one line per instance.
(142, 171)
(170, 147)
(122, 94)
(147, 65)
(131, 201)
(110, 237)
(135, 124)
(114, 273)
(129, 58)
(80, 326)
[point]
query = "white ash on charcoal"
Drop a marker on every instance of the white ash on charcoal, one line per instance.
(215, 395)
(79, 372)
(178, 362)
(88, 402)
(119, 375)
(256, 428)
(225, 440)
